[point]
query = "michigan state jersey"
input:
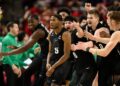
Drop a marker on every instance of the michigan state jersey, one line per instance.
(57, 45)
(43, 41)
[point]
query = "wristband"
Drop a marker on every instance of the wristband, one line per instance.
(95, 57)
(94, 42)
(87, 49)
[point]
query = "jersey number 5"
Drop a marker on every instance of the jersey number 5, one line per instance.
(56, 50)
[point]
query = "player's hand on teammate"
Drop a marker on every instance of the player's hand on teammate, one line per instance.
(73, 47)
(89, 35)
(83, 45)
(80, 46)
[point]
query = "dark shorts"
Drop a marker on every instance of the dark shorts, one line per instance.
(69, 77)
(61, 73)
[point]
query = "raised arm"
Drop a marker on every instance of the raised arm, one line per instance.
(80, 32)
(97, 38)
(102, 35)
(108, 48)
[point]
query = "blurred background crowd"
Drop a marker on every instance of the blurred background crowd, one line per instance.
(19, 10)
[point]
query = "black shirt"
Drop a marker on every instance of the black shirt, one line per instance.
(43, 41)
(100, 25)
(114, 55)
(57, 45)
(84, 59)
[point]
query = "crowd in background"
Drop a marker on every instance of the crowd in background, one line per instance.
(19, 10)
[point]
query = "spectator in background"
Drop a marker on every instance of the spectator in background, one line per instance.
(88, 6)
(102, 9)
(64, 11)
(10, 12)
(116, 3)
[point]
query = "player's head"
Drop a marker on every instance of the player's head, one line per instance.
(33, 20)
(113, 20)
(69, 22)
(55, 21)
(64, 12)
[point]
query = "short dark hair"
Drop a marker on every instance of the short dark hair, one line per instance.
(9, 25)
(59, 17)
(113, 8)
(64, 9)
(83, 17)
(21, 36)
(70, 18)
(118, 9)
(88, 1)
(34, 16)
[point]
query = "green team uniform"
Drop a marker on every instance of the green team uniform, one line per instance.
(10, 40)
